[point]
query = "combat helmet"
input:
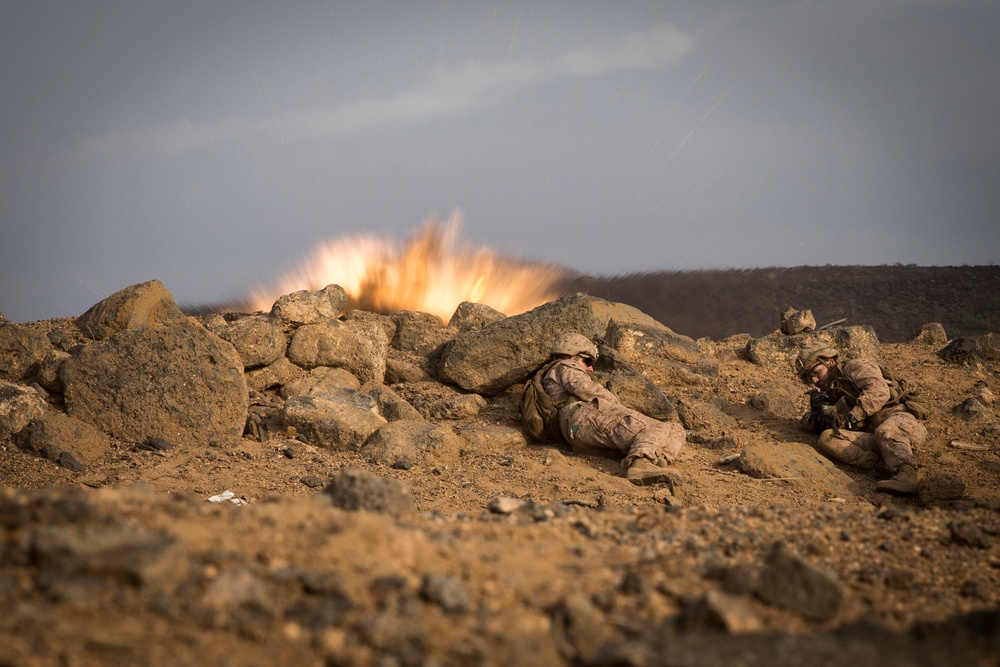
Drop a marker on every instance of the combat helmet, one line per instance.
(573, 344)
(811, 356)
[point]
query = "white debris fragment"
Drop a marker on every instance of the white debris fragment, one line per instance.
(958, 444)
(227, 495)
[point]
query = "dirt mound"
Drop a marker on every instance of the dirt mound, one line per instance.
(485, 548)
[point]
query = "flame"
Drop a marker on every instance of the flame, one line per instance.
(431, 273)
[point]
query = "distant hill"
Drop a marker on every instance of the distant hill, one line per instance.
(896, 300)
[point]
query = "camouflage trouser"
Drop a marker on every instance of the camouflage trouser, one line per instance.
(893, 441)
(623, 429)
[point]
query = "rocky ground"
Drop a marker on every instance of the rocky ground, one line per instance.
(509, 552)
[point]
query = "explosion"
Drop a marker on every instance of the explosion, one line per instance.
(432, 273)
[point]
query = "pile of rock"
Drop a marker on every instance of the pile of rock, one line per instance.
(136, 368)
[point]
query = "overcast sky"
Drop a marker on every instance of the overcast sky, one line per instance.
(211, 145)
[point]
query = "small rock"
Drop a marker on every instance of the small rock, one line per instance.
(446, 591)
(981, 392)
(293, 449)
(734, 613)
(66, 460)
(154, 445)
(900, 579)
(504, 505)
(356, 489)
(312, 481)
(968, 535)
(932, 333)
(972, 589)
(972, 409)
(797, 321)
(789, 581)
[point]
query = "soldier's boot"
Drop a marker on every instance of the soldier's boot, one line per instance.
(882, 471)
(903, 482)
(643, 472)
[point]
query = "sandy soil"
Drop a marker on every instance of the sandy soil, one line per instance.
(584, 564)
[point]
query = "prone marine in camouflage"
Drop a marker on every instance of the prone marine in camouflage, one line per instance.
(591, 416)
(864, 419)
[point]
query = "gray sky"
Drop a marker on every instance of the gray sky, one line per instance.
(212, 145)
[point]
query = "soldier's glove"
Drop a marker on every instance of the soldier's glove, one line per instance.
(822, 419)
(817, 399)
(832, 418)
(848, 419)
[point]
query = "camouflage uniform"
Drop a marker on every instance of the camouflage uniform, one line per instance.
(891, 433)
(592, 416)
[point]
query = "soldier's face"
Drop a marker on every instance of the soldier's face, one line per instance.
(817, 374)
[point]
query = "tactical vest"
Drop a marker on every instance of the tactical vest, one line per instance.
(844, 387)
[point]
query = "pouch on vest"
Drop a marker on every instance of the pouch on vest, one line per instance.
(539, 413)
(900, 394)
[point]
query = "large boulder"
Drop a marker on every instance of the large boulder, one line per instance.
(797, 321)
(359, 346)
(505, 352)
(981, 348)
(704, 415)
(631, 387)
(258, 339)
(18, 406)
(412, 441)
(384, 322)
(321, 378)
(473, 316)
(148, 304)
(22, 351)
(310, 306)
(63, 439)
(390, 404)
(178, 382)
(639, 393)
(781, 400)
(48, 373)
(403, 370)
(434, 400)
(341, 419)
(419, 333)
(776, 349)
(282, 372)
(798, 465)
(662, 355)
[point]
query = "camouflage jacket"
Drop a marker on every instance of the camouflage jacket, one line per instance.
(860, 389)
(567, 382)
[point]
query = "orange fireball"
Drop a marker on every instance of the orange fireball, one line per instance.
(431, 273)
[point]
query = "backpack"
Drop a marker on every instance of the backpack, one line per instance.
(539, 414)
(901, 394)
